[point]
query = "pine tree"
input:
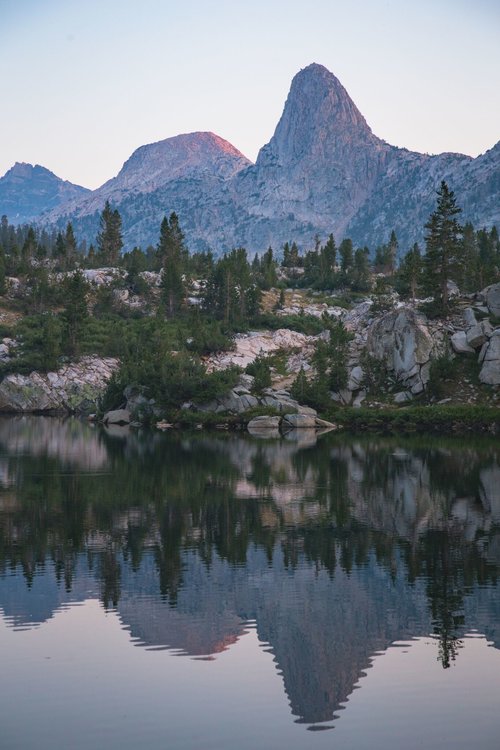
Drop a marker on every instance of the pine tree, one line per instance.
(346, 253)
(109, 238)
(76, 312)
(410, 272)
(286, 256)
(267, 270)
(392, 252)
(489, 256)
(70, 245)
(328, 260)
(443, 246)
(231, 294)
(469, 276)
(29, 249)
(361, 271)
(170, 252)
(295, 259)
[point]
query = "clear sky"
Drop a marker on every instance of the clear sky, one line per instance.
(85, 82)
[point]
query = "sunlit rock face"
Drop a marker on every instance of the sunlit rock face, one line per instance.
(322, 171)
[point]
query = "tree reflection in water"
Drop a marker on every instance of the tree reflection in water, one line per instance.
(335, 549)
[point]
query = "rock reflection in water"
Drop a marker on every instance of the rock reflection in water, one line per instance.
(335, 549)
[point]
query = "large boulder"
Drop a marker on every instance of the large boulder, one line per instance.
(402, 340)
(117, 416)
(491, 296)
(478, 334)
(355, 379)
(469, 317)
(490, 371)
(294, 421)
(269, 426)
(459, 343)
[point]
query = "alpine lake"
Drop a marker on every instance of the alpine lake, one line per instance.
(217, 591)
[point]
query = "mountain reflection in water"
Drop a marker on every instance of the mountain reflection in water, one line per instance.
(334, 550)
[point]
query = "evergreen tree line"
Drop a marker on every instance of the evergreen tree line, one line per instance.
(460, 253)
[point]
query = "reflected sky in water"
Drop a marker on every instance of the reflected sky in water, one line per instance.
(347, 583)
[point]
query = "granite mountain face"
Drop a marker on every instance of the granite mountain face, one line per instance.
(322, 171)
(27, 190)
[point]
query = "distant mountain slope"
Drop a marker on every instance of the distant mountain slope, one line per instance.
(322, 171)
(26, 191)
(181, 173)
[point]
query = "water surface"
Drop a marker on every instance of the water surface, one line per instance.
(198, 591)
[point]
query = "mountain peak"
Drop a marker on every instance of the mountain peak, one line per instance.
(24, 170)
(26, 190)
(319, 120)
(179, 156)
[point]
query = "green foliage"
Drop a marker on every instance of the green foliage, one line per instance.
(307, 324)
(265, 270)
(109, 239)
(40, 344)
(300, 387)
(346, 252)
(280, 302)
(443, 246)
(441, 369)
(231, 294)
(386, 256)
(291, 257)
(337, 353)
(43, 293)
(375, 374)
(75, 290)
(313, 392)
(409, 276)
(261, 371)
(360, 275)
(135, 262)
(171, 253)
(153, 356)
(204, 336)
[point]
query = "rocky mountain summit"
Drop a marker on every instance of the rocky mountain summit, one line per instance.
(27, 190)
(322, 171)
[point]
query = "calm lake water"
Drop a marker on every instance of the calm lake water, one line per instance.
(198, 591)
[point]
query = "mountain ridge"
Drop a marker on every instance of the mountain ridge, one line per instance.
(322, 171)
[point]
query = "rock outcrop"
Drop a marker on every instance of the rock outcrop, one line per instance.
(73, 388)
(405, 342)
(249, 346)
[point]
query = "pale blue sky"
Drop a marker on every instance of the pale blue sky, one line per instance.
(85, 82)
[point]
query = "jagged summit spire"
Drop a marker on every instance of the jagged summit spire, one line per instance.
(319, 117)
